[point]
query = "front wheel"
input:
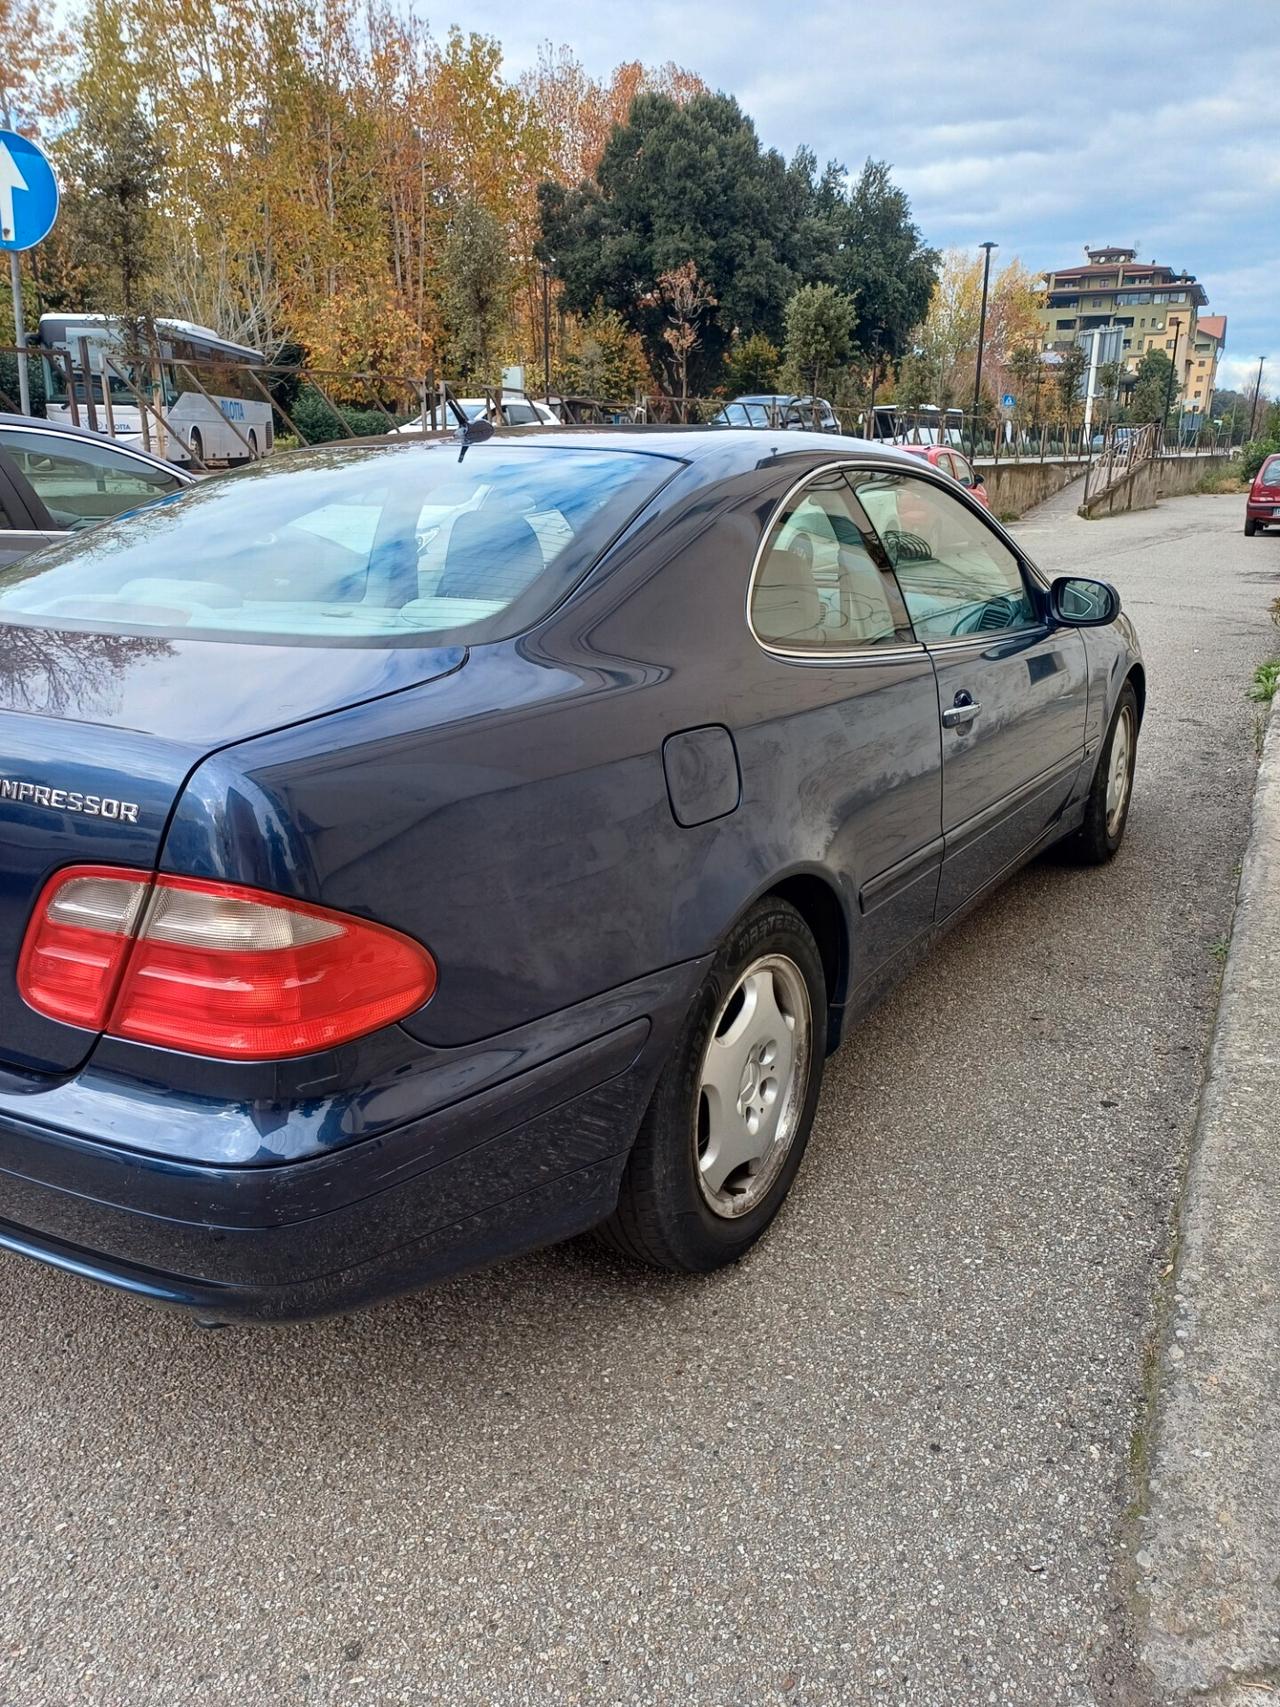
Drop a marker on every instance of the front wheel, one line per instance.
(725, 1132)
(1107, 809)
(197, 447)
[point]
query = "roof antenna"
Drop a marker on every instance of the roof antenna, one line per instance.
(474, 433)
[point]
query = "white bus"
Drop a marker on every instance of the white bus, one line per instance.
(170, 374)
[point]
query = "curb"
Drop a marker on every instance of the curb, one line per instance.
(1208, 1554)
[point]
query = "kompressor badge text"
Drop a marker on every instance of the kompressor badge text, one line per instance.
(68, 800)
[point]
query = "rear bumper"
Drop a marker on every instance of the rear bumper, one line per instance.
(527, 1162)
(1268, 512)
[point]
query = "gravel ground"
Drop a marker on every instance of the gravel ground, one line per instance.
(887, 1459)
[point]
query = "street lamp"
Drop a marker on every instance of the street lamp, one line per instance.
(982, 333)
(876, 336)
(1173, 373)
(547, 265)
(1257, 392)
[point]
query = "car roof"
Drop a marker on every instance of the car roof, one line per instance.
(734, 449)
(65, 429)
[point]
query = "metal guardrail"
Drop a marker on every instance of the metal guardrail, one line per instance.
(428, 404)
(1123, 450)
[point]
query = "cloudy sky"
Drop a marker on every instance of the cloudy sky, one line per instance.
(1043, 127)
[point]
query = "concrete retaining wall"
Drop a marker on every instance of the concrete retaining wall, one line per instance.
(1014, 487)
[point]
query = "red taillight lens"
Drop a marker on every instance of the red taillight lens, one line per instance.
(78, 940)
(214, 968)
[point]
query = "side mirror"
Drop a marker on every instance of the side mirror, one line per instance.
(1081, 603)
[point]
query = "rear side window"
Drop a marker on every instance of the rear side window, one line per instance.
(82, 483)
(817, 587)
(365, 544)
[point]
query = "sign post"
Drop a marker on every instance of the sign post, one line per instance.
(28, 209)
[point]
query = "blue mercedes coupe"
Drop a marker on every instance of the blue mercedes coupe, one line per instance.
(415, 852)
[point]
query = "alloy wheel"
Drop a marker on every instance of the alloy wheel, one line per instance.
(751, 1085)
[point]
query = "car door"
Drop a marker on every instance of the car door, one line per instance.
(1012, 688)
(855, 722)
(76, 482)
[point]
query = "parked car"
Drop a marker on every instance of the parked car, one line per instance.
(1262, 506)
(513, 409)
(58, 480)
(411, 860)
(782, 409)
(957, 465)
(741, 414)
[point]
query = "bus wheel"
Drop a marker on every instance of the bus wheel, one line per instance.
(197, 446)
(253, 445)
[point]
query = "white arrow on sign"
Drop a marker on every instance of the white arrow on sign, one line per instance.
(11, 179)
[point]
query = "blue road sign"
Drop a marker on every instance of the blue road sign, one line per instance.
(1008, 400)
(28, 192)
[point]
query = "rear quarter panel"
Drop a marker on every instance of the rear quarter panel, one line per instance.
(515, 816)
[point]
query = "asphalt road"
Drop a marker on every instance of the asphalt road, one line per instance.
(885, 1459)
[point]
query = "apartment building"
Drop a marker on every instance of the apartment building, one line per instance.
(1200, 374)
(1152, 306)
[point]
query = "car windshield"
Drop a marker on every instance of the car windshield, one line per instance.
(1271, 473)
(374, 545)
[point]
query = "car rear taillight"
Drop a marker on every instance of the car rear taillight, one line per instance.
(213, 968)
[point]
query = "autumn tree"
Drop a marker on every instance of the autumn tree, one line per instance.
(600, 357)
(683, 298)
(33, 59)
(753, 365)
(947, 341)
(579, 112)
(114, 164)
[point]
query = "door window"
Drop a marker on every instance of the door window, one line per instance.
(82, 483)
(957, 576)
(817, 586)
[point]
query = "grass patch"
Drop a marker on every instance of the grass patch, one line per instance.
(1217, 481)
(1266, 679)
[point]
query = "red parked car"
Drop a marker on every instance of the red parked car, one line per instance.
(953, 463)
(1262, 506)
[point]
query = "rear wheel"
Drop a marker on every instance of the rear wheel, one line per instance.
(725, 1132)
(1250, 527)
(1107, 810)
(253, 445)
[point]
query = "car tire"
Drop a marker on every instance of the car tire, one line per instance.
(689, 1201)
(1107, 810)
(1250, 527)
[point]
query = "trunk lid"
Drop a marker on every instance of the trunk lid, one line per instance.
(98, 734)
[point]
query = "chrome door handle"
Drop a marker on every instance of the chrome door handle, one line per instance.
(960, 716)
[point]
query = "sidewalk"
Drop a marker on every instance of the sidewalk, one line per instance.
(1208, 1553)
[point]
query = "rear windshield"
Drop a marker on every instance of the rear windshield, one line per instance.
(373, 545)
(1271, 472)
